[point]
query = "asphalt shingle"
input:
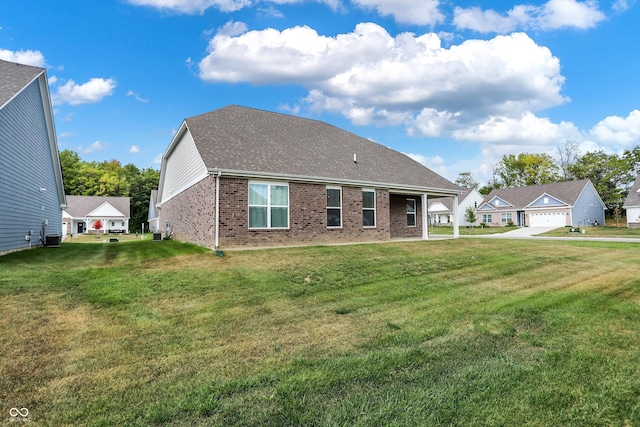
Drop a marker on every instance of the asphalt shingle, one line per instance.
(15, 77)
(246, 139)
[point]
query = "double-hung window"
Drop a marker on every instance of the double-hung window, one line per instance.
(487, 218)
(334, 207)
(369, 208)
(268, 205)
(411, 213)
(506, 217)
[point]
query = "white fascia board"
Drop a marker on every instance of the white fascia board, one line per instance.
(393, 188)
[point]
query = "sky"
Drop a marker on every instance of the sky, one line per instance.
(454, 84)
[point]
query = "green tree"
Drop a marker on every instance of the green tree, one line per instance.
(470, 215)
(608, 174)
(527, 169)
(466, 180)
(110, 178)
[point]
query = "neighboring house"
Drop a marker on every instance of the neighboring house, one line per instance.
(559, 204)
(31, 190)
(95, 214)
(152, 217)
(441, 209)
(239, 176)
(632, 205)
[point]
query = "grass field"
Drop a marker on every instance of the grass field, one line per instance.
(469, 332)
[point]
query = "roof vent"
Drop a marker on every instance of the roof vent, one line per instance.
(355, 158)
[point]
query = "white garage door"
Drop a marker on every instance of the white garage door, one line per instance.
(548, 219)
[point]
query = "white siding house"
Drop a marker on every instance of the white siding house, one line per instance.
(31, 190)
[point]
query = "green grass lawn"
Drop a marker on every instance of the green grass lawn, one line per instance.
(449, 332)
(606, 231)
(469, 231)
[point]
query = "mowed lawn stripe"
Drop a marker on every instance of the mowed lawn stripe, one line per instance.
(451, 332)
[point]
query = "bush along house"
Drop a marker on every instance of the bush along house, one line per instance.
(242, 177)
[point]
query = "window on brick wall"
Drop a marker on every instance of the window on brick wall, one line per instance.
(369, 208)
(506, 217)
(487, 218)
(268, 205)
(334, 207)
(411, 213)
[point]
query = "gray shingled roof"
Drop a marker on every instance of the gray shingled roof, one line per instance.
(519, 197)
(15, 77)
(633, 198)
(250, 140)
(80, 206)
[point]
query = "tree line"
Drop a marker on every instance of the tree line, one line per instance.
(110, 178)
(611, 174)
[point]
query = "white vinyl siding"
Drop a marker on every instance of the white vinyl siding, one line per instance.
(184, 167)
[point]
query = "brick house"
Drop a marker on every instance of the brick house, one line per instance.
(240, 176)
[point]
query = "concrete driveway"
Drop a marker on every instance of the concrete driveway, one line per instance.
(522, 232)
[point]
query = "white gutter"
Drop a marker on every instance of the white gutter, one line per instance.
(218, 210)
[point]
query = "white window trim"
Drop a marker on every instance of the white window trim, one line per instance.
(375, 205)
(329, 187)
(414, 213)
(269, 206)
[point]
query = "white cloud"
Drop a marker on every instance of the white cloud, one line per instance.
(52, 80)
(92, 91)
(158, 159)
(418, 12)
(134, 149)
(618, 131)
(368, 75)
(525, 129)
(622, 5)
(193, 6)
(552, 15)
(96, 146)
(65, 135)
(435, 163)
(137, 97)
(27, 57)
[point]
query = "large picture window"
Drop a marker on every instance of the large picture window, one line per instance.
(334, 207)
(268, 205)
(369, 208)
(411, 213)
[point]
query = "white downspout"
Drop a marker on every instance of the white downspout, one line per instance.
(218, 210)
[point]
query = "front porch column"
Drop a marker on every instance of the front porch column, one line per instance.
(456, 230)
(425, 218)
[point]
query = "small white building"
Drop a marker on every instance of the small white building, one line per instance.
(441, 211)
(632, 205)
(93, 214)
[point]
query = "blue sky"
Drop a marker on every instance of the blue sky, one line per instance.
(455, 84)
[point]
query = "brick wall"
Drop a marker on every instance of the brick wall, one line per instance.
(192, 216)
(399, 228)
